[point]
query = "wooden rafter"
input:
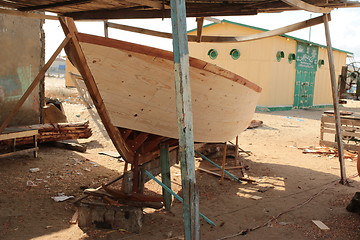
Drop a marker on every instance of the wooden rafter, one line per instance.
(134, 14)
(54, 5)
(299, 4)
(192, 38)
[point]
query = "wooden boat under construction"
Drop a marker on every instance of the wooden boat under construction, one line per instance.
(133, 88)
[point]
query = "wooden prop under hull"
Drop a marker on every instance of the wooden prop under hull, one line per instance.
(132, 88)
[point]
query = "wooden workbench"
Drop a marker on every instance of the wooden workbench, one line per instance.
(15, 133)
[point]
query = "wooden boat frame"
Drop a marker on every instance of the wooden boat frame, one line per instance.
(136, 147)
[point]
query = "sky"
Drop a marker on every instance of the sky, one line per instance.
(344, 29)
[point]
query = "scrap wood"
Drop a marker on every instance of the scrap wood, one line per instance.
(75, 217)
(98, 188)
(255, 124)
(132, 196)
(320, 225)
(328, 151)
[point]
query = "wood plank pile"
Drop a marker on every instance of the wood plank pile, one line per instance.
(350, 130)
(54, 132)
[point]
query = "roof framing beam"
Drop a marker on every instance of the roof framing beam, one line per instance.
(54, 5)
(134, 14)
(192, 38)
(299, 4)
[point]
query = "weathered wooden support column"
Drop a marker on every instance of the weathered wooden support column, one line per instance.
(335, 99)
(185, 123)
(106, 29)
(165, 174)
(223, 164)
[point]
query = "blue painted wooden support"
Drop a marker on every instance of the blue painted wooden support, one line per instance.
(185, 122)
(218, 166)
(176, 196)
(165, 173)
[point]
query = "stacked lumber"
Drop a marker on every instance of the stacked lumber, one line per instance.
(54, 132)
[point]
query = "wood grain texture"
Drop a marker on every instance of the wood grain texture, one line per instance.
(136, 85)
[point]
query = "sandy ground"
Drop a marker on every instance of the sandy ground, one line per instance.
(298, 187)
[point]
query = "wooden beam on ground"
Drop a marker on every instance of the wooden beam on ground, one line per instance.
(193, 38)
(54, 5)
(165, 174)
(76, 52)
(32, 86)
(28, 14)
(200, 23)
(185, 122)
(335, 100)
(301, 5)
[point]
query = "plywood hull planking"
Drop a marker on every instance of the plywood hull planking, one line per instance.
(137, 86)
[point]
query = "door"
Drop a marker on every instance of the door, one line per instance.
(306, 66)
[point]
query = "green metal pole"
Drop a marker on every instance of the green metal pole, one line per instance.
(184, 117)
(165, 173)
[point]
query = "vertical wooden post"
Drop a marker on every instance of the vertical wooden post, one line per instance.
(343, 76)
(237, 162)
(35, 138)
(165, 173)
(106, 29)
(223, 164)
(335, 99)
(185, 123)
(200, 23)
(135, 169)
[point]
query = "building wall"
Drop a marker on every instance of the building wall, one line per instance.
(258, 64)
(21, 57)
(322, 92)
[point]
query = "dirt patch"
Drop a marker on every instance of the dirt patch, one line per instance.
(286, 178)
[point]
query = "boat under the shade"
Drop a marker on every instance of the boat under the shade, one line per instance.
(137, 86)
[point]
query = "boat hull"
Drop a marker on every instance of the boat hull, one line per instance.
(137, 86)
